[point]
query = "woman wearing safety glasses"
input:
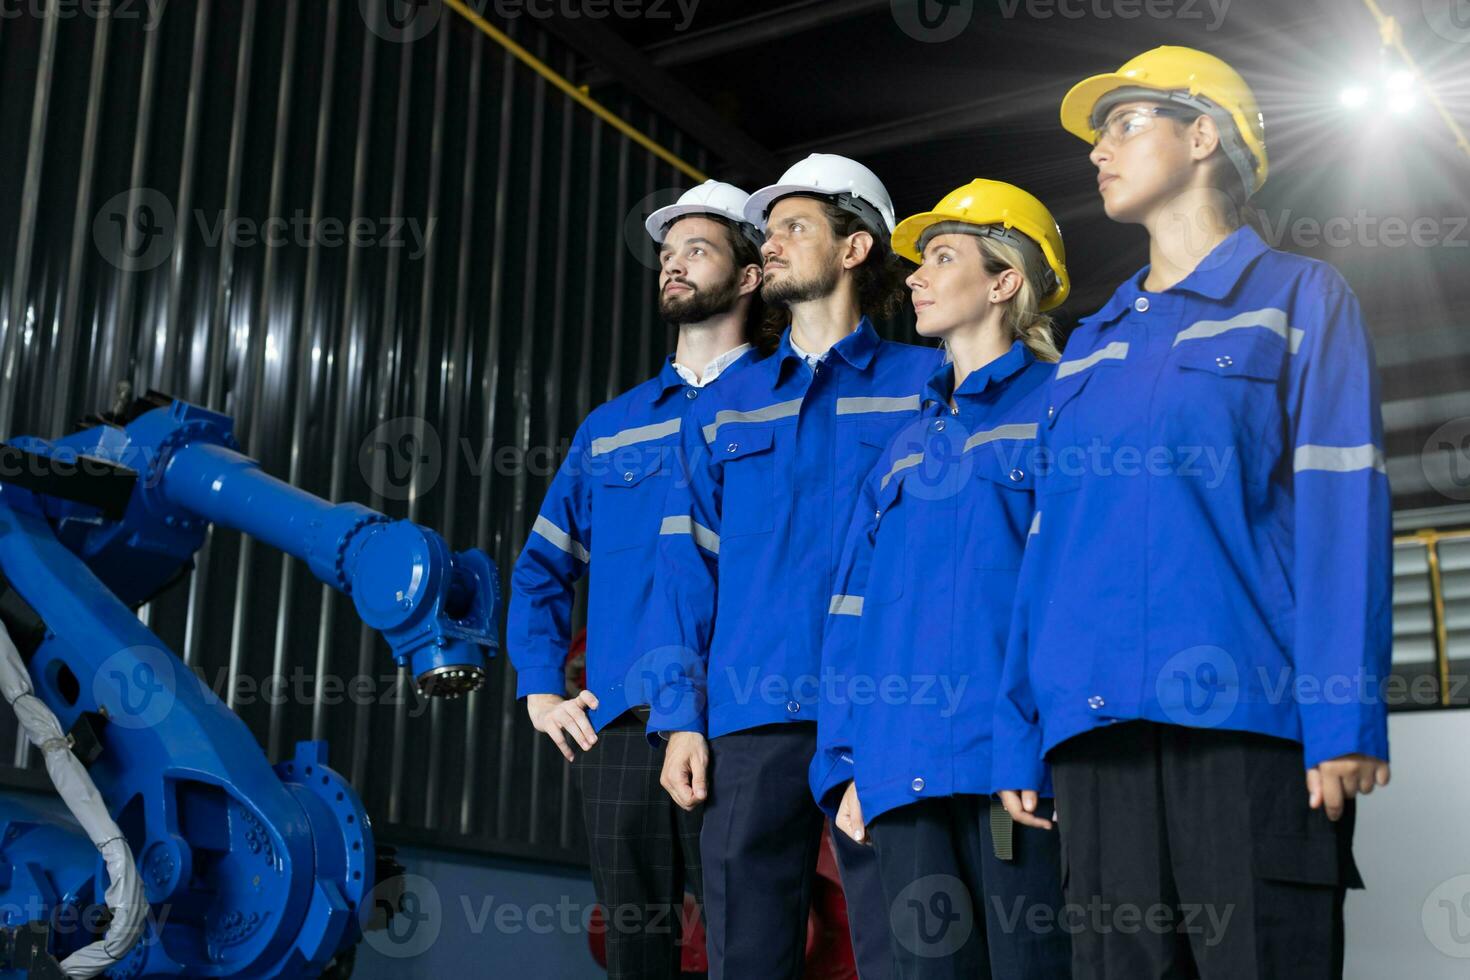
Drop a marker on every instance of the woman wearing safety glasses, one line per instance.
(1203, 617)
(916, 633)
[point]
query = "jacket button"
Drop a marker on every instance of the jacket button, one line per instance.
(732, 447)
(1224, 360)
(878, 514)
(627, 477)
(1095, 702)
(954, 411)
(793, 706)
(1016, 475)
(1141, 304)
(1051, 410)
(692, 393)
(918, 784)
(939, 425)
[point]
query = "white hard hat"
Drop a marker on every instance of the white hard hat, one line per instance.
(711, 197)
(852, 186)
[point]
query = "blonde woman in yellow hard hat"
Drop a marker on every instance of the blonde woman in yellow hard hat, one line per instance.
(923, 598)
(1203, 617)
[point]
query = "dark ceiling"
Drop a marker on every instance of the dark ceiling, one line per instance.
(773, 80)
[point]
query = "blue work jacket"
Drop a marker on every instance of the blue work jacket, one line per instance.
(600, 518)
(916, 630)
(1213, 533)
(750, 541)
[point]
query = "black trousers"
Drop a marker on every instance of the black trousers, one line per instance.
(760, 845)
(644, 850)
(959, 911)
(1192, 853)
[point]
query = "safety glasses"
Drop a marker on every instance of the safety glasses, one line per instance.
(1125, 124)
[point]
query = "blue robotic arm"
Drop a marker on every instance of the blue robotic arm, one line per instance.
(251, 871)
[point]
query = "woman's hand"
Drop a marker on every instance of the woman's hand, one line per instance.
(1021, 805)
(850, 815)
(1334, 782)
(559, 717)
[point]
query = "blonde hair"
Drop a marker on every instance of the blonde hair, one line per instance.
(1023, 317)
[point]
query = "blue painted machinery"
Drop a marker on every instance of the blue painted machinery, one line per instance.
(249, 870)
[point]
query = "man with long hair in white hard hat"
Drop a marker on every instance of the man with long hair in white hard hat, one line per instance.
(750, 543)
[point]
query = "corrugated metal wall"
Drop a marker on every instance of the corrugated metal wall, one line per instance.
(454, 245)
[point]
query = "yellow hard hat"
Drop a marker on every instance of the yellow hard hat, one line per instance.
(1186, 76)
(1000, 210)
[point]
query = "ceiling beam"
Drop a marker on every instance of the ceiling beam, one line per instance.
(743, 33)
(744, 158)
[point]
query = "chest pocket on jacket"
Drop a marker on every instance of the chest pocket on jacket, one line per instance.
(1228, 401)
(630, 502)
(1063, 432)
(748, 460)
(889, 568)
(998, 534)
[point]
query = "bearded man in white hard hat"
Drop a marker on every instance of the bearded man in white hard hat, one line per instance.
(601, 519)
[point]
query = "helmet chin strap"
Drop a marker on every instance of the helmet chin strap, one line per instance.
(1037, 269)
(1230, 139)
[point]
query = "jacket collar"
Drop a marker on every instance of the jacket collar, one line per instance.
(940, 385)
(1214, 278)
(857, 348)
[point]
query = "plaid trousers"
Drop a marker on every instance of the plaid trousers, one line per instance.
(644, 850)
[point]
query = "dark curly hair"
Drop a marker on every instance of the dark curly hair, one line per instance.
(879, 280)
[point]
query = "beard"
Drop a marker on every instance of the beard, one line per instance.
(699, 304)
(789, 289)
